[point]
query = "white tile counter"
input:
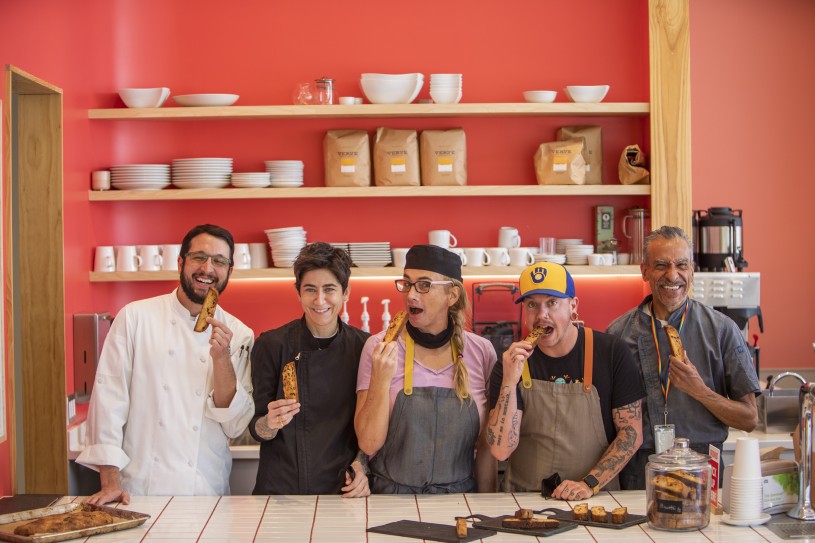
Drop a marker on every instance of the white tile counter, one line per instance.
(332, 519)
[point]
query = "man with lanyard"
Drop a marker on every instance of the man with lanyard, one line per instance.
(568, 406)
(713, 388)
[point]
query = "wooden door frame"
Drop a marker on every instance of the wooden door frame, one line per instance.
(34, 283)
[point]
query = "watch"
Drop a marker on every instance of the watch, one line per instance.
(592, 483)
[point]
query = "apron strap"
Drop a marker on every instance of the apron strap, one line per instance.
(588, 358)
(408, 386)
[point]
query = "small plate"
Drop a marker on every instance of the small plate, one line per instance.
(748, 522)
(205, 100)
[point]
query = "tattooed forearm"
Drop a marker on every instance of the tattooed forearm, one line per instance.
(490, 436)
(514, 429)
(628, 421)
(504, 397)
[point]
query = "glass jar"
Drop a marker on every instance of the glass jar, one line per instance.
(325, 91)
(677, 488)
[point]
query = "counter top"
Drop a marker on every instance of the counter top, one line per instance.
(307, 519)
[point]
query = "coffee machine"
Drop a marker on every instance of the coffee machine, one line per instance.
(717, 238)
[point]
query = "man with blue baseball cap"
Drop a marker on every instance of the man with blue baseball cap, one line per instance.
(565, 402)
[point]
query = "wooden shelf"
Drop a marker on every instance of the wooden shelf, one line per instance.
(368, 192)
(356, 273)
(601, 109)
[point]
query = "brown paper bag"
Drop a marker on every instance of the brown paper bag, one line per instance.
(561, 163)
(396, 157)
(347, 158)
(443, 157)
(631, 168)
(592, 149)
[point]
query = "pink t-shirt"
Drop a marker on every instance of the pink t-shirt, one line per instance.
(479, 357)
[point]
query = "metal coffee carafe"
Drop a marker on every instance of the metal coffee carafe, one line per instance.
(719, 231)
(635, 231)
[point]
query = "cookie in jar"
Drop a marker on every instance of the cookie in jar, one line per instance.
(677, 488)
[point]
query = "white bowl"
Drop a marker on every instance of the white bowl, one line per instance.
(587, 93)
(138, 98)
(205, 100)
(393, 76)
(391, 91)
(540, 96)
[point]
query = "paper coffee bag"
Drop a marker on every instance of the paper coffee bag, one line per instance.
(396, 157)
(347, 158)
(631, 168)
(592, 149)
(561, 163)
(443, 157)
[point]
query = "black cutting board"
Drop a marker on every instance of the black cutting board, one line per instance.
(494, 523)
(560, 514)
(429, 531)
(26, 502)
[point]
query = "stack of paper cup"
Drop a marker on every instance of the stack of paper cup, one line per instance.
(746, 500)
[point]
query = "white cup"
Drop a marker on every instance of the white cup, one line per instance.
(241, 257)
(150, 259)
(442, 238)
(399, 256)
(169, 256)
(461, 254)
(126, 258)
(608, 259)
(477, 256)
(258, 255)
(623, 259)
(520, 256)
(747, 461)
(595, 259)
(100, 180)
(508, 237)
(499, 256)
(104, 259)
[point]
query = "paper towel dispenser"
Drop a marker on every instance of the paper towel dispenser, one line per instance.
(90, 331)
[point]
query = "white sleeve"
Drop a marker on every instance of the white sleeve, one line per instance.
(235, 418)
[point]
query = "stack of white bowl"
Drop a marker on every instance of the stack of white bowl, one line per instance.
(140, 176)
(249, 180)
(578, 254)
(202, 173)
(285, 173)
(391, 88)
(285, 244)
(445, 88)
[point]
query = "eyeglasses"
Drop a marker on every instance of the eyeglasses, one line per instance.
(200, 259)
(422, 287)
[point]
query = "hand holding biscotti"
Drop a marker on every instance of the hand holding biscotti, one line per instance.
(281, 412)
(685, 377)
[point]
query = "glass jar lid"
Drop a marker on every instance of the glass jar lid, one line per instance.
(680, 455)
(324, 81)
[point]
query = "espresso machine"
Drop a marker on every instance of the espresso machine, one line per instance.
(717, 239)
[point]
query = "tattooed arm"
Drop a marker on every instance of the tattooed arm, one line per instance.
(504, 422)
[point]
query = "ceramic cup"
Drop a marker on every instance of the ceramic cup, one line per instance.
(595, 259)
(126, 258)
(608, 259)
(258, 255)
(623, 259)
(499, 256)
(508, 237)
(150, 259)
(169, 256)
(477, 256)
(399, 256)
(461, 254)
(442, 238)
(105, 259)
(100, 180)
(241, 257)
(520, 256)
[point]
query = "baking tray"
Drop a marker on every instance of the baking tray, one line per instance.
(567, 516)
(124, 519)
(429, 531)
(494, 523)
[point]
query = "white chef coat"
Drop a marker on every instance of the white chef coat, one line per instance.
(152, 414)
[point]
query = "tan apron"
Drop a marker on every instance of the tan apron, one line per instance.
(561, 430)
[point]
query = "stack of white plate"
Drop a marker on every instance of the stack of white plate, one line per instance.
(340, 245)
(202, 173)
(375, 254)
(249, 180)
(578, 254)
(561, 244)
(557, 259)
(285, 244)
(285, 173)
(140, 176)
(445, 88)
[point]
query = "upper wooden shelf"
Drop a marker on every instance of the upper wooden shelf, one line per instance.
(369, 192)
(376, 110)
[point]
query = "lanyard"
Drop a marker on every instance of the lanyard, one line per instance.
(665, 377)
(408, 386)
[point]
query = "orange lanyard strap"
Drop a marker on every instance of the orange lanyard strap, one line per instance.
(664, 375)
(408, 385)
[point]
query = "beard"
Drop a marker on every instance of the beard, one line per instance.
(188, 286)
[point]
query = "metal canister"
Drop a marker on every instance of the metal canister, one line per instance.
(325, 90)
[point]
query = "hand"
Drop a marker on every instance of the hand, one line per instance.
(110, 494)
(572, 490)
(358, 488)
(685, 376)
(220, 339)
(281, 412)
(384, 362)
(513, 361)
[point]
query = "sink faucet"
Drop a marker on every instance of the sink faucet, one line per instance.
(803, 509)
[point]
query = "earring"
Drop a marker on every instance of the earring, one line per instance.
(575, 316)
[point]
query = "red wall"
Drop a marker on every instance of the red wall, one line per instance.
(260, 50)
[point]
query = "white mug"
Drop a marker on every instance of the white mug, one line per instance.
(508, 237)
(100, 180)
(169, 256)
(461, 254)
(520, 256)
(399, 257)
(477, 256)
(608, 259)
(499, 256)
(241, 257)
(258, 255)
(104, 260)
(126, 258)
(442, 238)
(150, 258)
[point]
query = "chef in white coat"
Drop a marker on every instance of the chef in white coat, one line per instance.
(167, 398)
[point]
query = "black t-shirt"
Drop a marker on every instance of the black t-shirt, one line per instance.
(615, 375)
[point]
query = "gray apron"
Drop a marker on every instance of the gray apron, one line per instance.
(561, 430)
(431, 440)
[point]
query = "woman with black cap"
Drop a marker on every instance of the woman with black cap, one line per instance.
(421, 400)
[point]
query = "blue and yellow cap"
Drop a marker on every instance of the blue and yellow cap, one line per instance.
(546, 278)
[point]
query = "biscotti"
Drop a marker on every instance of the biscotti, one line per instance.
(530, 523)
(598, 514)
(581, 511)
(524, 513)
(461, 528)
(678, 500)
(619, 515)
